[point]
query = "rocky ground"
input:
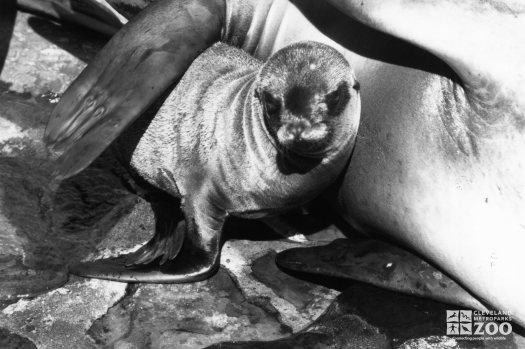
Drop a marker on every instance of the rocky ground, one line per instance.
(44, 226)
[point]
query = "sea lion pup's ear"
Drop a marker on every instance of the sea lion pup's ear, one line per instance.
(271, 104)
(138, 64)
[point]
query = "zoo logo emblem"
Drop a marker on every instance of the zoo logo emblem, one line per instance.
(459, 322)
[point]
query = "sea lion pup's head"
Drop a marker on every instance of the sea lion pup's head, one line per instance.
(310, 100)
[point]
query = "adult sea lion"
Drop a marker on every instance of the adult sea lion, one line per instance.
(438, 161)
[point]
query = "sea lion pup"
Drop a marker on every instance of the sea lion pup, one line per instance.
(237, 137)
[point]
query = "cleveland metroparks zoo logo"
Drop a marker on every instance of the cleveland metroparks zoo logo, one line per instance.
(483, 324)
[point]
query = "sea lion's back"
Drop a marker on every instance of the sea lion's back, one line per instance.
(213, 71)
(182, 133)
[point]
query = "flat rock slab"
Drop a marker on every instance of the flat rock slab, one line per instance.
(187, 316)
(61, 318)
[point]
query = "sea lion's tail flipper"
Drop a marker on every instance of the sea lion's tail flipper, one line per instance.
(170, 230)
(94, 14)
(380, 264)
(481, 40)
(181, 251)
(137, 65)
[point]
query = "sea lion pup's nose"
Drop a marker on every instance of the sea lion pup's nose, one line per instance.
(296, 129)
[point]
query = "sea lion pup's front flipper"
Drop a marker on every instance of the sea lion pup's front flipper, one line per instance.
(184, 250)
(137, 65)
(481, 40)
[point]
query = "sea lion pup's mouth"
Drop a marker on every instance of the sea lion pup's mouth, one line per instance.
(307, 97)
(302, 138)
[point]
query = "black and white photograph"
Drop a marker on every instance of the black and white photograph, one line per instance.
(262, 174)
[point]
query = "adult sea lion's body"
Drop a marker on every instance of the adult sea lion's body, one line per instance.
(438, 161)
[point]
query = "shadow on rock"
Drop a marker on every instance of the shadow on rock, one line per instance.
(10, 340)
(368, 317)
(43, 231)
(78, 41)
(45, 227)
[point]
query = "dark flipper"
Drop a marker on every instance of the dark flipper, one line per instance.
(137, 65)
(94, 14)
(380, 264)
(165, 245)
(181, 250)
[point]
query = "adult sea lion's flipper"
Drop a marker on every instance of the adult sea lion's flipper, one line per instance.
(185, 248)
(137, 65)
(380, 264)
(481, 41)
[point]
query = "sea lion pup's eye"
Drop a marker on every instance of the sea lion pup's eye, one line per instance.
(337, 100)
(272, 105)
